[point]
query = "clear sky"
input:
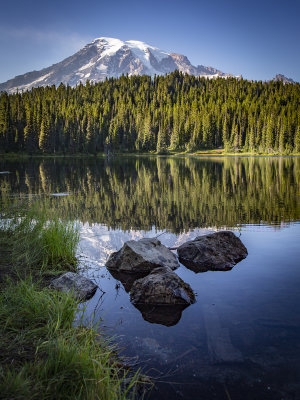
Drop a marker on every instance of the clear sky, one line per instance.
(255, 38)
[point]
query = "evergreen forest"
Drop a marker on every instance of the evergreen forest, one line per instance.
(175, 112)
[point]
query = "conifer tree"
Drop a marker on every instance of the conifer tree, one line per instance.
(297, 140)
(270, 135)
(44, 137)
(90, 137)
(29, 134)
(161, 142)
(226, 135)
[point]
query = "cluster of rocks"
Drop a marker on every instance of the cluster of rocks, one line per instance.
(149, 266)
(146, 270)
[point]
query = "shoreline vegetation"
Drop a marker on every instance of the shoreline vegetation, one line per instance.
(43, 355)
(200, 153)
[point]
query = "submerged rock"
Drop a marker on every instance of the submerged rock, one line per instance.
(218, 251)
(142, 256)
(82, 287)
(161, 287)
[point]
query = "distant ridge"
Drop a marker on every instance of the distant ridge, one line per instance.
(282, 78)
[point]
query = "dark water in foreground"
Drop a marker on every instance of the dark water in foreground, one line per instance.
(240, 340)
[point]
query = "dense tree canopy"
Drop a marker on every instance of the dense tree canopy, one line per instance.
(138, 113)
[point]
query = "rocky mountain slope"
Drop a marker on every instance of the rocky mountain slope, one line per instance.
(108, 57)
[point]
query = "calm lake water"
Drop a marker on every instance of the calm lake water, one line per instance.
(240, 340)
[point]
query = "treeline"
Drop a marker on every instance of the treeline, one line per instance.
(173, 193)
(172, 112)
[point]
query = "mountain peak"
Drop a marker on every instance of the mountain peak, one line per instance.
(283, 78)
(106, 39)
(107, 57)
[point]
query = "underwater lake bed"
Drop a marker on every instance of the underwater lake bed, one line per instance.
(240, 340)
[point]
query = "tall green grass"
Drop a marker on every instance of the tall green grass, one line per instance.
(40, 242)
(68, 362)
(42, 354)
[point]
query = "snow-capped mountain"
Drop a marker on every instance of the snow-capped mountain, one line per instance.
(282, 78)
(108, 57)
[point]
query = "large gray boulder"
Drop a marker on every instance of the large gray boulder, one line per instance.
(161, 287)
(70, 282)
(141, 257)
(218, 251)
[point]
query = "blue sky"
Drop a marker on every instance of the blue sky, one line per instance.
(254, 38)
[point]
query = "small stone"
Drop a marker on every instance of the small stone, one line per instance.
(71, 282)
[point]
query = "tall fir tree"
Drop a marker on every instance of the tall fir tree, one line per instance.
(44, 136)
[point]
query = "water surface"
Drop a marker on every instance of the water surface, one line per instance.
(240, 340)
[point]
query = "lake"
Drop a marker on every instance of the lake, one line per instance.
(240, 340)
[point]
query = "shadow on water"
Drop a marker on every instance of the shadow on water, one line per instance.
(127, 280)
(165, 315)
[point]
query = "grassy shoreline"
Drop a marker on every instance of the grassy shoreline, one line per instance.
(199, 153)
(42, 354)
